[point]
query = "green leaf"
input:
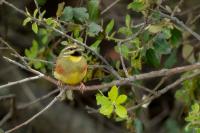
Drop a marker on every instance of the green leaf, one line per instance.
(49, 21)
(42, 15)
(176, 37)
(60, 9)
(37, 65)
(167, 33)
(121, 111)
(93, 9)
(80, 14)
(67, 14)
(113, 93)
(155, 28)
(152, 58)
(136, 6)
(110, 26)
(106, 109)
(121, 99)
(94, 29)
(171, 60)
(35, 13)
(195, 108)
(26, 21)
(124, 50)
(41, 2)
(95, 45)
(138, 126)
(125, 30)
(161, 46)
(128, 20)
(102, 100)
(35, 28)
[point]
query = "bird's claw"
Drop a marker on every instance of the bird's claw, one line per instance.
(82, 87)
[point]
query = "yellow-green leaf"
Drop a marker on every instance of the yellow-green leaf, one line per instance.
(110, 26)
(113, 93)
(60, 9)
(106, 109)
(35, 28)
(121, 111)
(121, 99)
(102, 100)
(26, 21)
(154, 28)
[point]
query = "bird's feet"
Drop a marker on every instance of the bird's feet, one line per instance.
(82, 87)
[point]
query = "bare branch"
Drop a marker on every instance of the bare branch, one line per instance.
(36, 115)
(109, 7)
(153, 74)
(176, 20)
(164, 90)
(37, 100)
(20, 81)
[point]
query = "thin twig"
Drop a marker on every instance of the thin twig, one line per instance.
(163, 91)
(122, 60)
(20, 81)
(36, 115)
(177, 7)
(176, 20)
(12, 49)
(10, 97)
(109, 7)
(37, 6)
(37, 100)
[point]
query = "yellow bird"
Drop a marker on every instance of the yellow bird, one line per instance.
(71, 65)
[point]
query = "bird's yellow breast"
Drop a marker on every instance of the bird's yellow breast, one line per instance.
(74, 58)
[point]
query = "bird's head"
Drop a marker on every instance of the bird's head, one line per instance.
(72, 50)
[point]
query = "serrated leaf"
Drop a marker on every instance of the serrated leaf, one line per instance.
(60, 9)
(110, 26)
(80, 14)
(137, 6)
(152, 58)
(35, 28)
(128, 20)
(94, 28)
(121, 111)
(113, 93)
(93, 10)
(67, 14)
(106, 109)
(26, 21)
(102, 100)
(121, 99)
